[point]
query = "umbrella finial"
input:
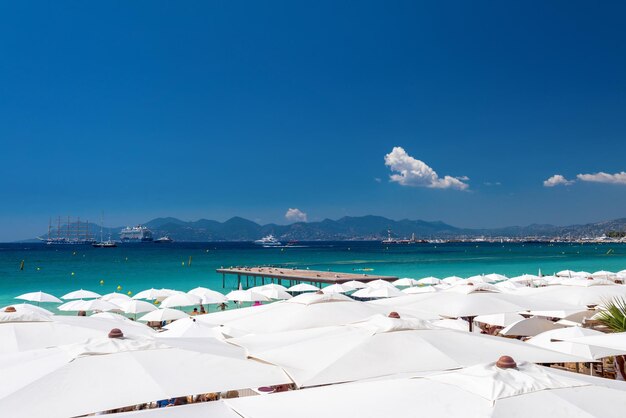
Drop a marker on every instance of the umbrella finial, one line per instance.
(10, 309)
(116, 333)
(394, 315)
(506, 362)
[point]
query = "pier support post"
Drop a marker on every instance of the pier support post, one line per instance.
(238, 281)
(223, 281)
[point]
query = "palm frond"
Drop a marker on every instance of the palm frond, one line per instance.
(614, 315)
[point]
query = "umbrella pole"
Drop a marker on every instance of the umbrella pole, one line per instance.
(471, 323)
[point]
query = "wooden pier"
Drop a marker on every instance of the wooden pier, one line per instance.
(249, 275)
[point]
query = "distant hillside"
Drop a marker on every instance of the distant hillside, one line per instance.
(348, 228)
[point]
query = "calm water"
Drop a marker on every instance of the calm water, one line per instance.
(134, 267)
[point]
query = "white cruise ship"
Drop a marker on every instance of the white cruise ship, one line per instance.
(136, 234)
(268, 241)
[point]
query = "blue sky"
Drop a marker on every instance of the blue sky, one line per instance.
(214, 109)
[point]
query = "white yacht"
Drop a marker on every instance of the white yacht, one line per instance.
(268, 241)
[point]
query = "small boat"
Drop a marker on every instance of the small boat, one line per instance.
(105, 244)
(164, 240)
(268, 241)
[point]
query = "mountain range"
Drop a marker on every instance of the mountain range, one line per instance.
(350, 228)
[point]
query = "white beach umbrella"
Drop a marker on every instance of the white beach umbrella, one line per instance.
(468, 286)
(81, 294)
(163, 314)
(136, 306)
(88, 305)
(155, 294)
(124, 372)
(613, 341)
(582, 274)
(208, 296)
(377, 284)
(269, 286)
(530, 327)
(577, 296)
(381, 292)
(524, 278)
(479, 391)
(27, 307)
(25, 336)
(109, 315)
(191, 328)
(39, 297)
(309, 310)
(114, 295)
(455, 324)
(181, 300)
(275, 293)
(355, 284)
(337, 288)
(246, 296)
(380, 346)
(500, 320)
(428, 281)
(481, 278)
(495, 277)
(453, 305)
(508, 285)
(566, 273)
(303, 287)
(452, 279)
(405, 282)
(419, 289)
(557, 340)
(603, 274)
(12, 315)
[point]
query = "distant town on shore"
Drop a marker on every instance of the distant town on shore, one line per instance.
(362, 228)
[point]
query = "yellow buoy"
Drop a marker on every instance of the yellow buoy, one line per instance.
(182, 263)
(72, 273)
(119, 287)
(129, 293)
(101, 282)
(38, 268)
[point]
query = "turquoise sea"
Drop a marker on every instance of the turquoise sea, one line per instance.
(135, 267)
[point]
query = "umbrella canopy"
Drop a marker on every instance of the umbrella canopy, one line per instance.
(377, 284)
(479, 391)
(163, 314)
(554, 340)
(303, 287)
(150, 370)
(576, 296)
(500, 320)
(114, 295)
(380, 346)
(419, 289)
(25, 336)
(275, 293)
(39, 297)
(452, 279)
(614, 341)
(566, 273)
(81, 294)
(481, 278)
(269, 286)
(428, 281)
(355, 284)
(381, 292)
(134, 306)
(337, 288)
(406, 282)
(155, 294)
(604, 274)
(89, 305)
(524, 278)
(208, 296)
(246, 296)
(309, 310)
(495, 277)
(530, 327)
(27, 307)
(12, 315)
(192, 328)
(109, 315)
(180, 300)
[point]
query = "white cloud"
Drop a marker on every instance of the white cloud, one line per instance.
(415, 173)
(617, 178)
(295, 215)
(557, 180)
